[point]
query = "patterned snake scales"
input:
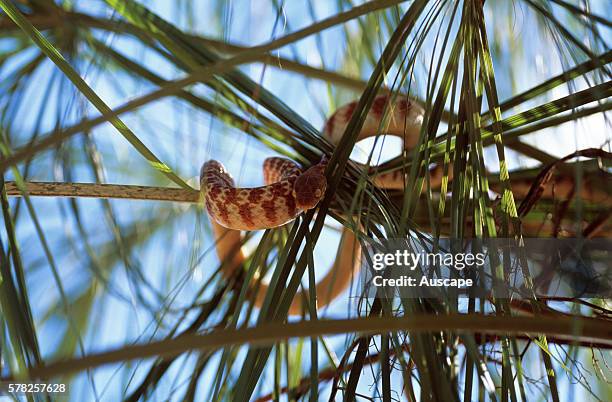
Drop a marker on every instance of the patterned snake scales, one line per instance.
(290, 191)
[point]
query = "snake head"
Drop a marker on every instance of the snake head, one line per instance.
(309, 188)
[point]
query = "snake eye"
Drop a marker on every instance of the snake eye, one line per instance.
(317, 193)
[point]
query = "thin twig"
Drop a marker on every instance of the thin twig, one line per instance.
(95, 190)
(566, 328)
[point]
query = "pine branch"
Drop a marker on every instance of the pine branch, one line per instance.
(94, 190)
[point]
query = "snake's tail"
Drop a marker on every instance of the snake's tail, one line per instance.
(228, 244)
(337, 279)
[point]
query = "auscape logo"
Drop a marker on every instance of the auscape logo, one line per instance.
(408, 281)
(504, 267)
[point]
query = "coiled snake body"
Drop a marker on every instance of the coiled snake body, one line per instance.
(289, 191)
